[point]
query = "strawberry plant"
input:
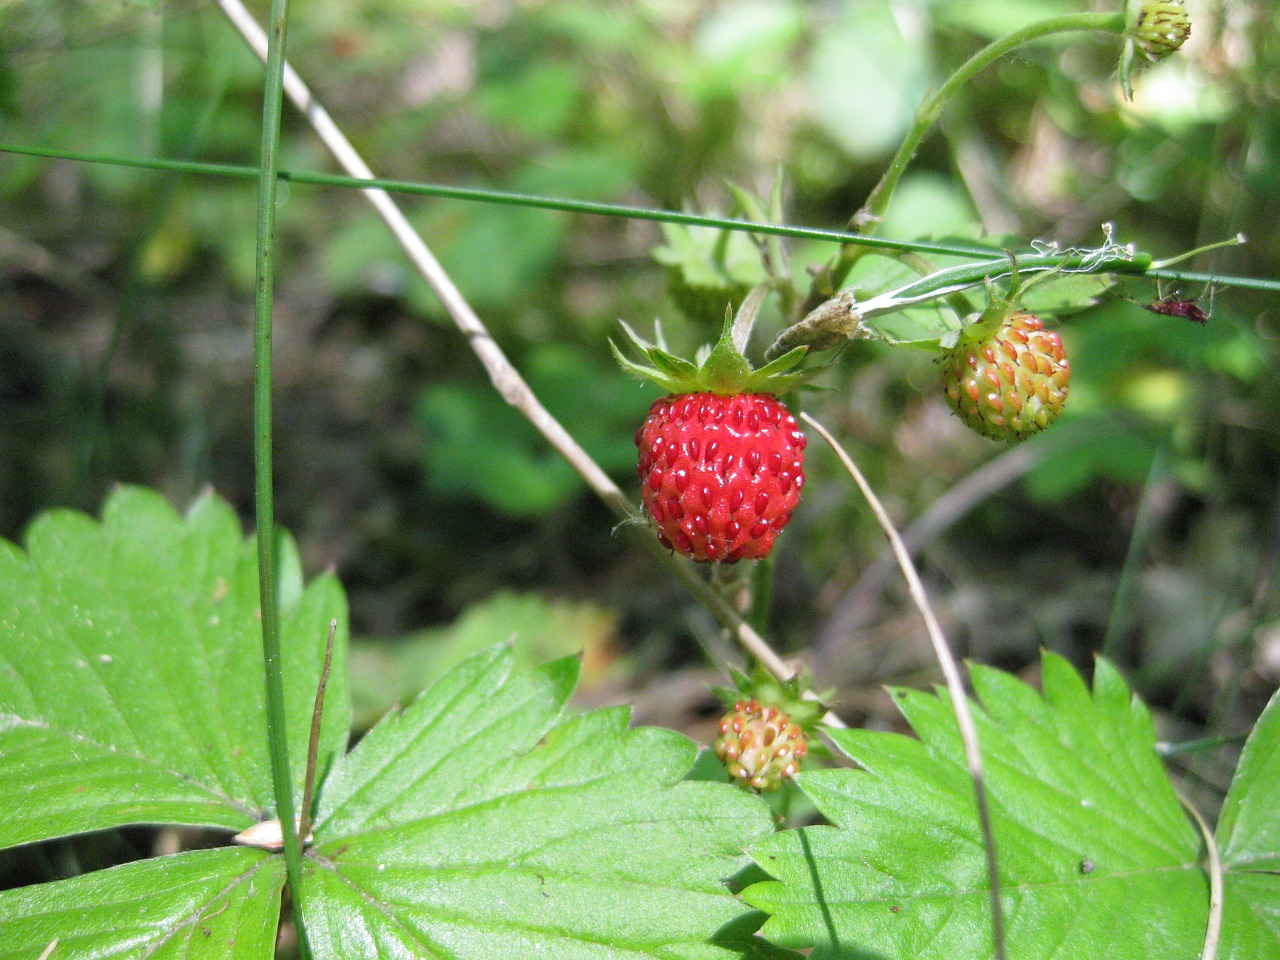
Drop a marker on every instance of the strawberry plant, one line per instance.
(183, 771)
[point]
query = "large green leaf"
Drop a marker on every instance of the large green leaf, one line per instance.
(1096, 856)
(481, 823)
(203, 904)
(1249, 826)
(131, 679)
(1249, 839)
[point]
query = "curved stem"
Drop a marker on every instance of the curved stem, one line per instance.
(877, 201)
(950, 670)
(1213, 928)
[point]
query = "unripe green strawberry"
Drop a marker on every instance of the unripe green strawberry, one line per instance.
(1162, 27)
(760, 746)
(1008, 383)
(720, 474)
(721, 460)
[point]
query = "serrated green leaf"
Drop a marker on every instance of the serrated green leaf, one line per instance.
(1249, 825)
(410, 764)
(481, 823)
(1096, 857)
(199, 905)
(1248, 837)
(131, 683)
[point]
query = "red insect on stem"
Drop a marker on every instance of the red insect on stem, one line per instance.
(1175, 306)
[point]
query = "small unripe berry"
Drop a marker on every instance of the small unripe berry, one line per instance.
(760, 746)
(1009, 384)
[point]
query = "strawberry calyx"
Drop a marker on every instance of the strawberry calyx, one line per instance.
(791, 696)
(980, 326)
(722, 370)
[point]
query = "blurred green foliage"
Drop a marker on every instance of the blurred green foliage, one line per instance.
(476, 445)
(389, 672)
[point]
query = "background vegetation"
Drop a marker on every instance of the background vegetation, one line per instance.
(1145, 525)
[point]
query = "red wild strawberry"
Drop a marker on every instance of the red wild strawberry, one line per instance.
(720, 474)
(760, 746)
(1007, 377)
(721, 460)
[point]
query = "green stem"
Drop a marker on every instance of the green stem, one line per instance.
(843, 315)
(277, 718)
(593, 208)
(761, 595)
(877, 202)
(1167, 750)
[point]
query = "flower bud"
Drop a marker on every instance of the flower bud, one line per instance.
(1161, 28)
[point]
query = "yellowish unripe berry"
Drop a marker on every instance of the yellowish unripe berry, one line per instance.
(760, 746)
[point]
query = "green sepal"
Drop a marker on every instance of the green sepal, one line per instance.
(724, 370)
(775, 368)
(641, 371)
(787, 695)
(677, 368)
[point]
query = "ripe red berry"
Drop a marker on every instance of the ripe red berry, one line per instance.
(1009, 383)
(720, 474)
(760, 746)
(721, 460)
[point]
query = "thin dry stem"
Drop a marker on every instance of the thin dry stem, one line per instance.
(853, 609)
(950, 670)
(505, 378)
